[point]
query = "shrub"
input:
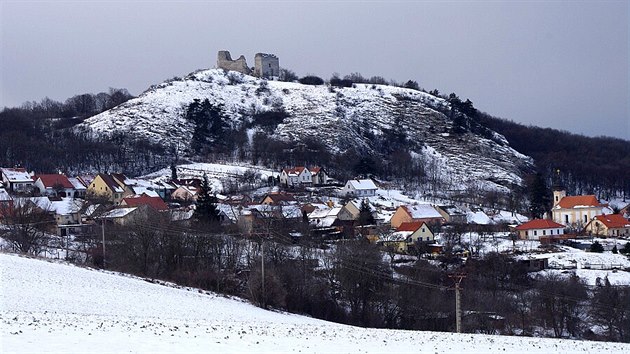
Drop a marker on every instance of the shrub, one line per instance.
(311, 80)
(597, 247)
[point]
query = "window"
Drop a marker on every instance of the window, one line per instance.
(585, 218)
(526, 233)
(535, 233)
(566, 219)
(544, 232)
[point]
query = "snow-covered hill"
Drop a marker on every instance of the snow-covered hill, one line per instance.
(340, 118)
(57, 308)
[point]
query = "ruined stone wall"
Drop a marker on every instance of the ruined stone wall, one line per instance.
(266, 65)
(224, 61)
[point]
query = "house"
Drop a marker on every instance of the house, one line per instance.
(406, 236)
(575, 211)
(278, 199)
(396, 241)
(126, 216)
(452, 214)
(615, 225)
(6, 202)
(320, 177)
(534, 229)
(80, 188)
(323, 218)
(154, 202)
(350, 211)
(359, 188)
(54, 184)
(65, 211)
(420, 231)
(17, 180)
(418, 212)
(185, 194)
(625, 211)
(106, 187)
(295, 177)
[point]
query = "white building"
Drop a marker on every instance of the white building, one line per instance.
(17, 179)
(359, 188)
(294, 177)
(536, 228)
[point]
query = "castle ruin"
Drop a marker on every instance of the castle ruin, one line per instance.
(225, 62)
(265, 65)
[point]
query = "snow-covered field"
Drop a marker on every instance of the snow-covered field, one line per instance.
(53, 307)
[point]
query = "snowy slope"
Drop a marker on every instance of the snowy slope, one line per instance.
(48, 307)
(340, 118)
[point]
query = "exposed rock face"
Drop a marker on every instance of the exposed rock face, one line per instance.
(224, 61)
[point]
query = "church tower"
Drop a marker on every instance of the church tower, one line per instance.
(558, 190)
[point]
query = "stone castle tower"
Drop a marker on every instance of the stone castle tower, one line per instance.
(265, 65)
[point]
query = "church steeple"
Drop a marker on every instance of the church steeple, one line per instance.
(558, 189)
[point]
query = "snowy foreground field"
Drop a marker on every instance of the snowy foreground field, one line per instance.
(50, 307)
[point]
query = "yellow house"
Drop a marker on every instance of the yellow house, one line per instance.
(609, 225)
(575, 211)
(407, 235)
(105, 187)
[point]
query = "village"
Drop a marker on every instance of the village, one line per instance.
(306, 201)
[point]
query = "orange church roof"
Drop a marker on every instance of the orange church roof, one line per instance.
(579, 201)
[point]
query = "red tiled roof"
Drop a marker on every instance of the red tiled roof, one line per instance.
(155, 202)
(50, 181)
(613, 221)
(410, 226)
(578, 200)
(539, 224)
(315, 170)
(296, 170)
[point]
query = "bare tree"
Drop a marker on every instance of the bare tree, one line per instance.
(26, 226)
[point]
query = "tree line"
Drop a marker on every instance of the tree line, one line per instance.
(39, 137)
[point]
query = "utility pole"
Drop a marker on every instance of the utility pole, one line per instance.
(458, 306)
(262, 270)
(103, 233)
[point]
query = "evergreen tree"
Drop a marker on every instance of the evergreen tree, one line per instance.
(365, 214)
(209, 127)
(597, 247)
(539, 198)
(173, 172)
(206, 210)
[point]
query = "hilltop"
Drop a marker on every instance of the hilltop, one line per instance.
(341, 125)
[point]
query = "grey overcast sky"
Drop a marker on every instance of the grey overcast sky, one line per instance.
(558, 64)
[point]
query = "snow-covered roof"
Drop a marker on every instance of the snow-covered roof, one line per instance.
(422, 211)
(14, 175)
(4, 195)
(65, 206)
(362, 184)
(478, 217)
(181, 214)
(76, 184)
(118, 213)
(149, 191)
(508, 217)
(399, 236)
